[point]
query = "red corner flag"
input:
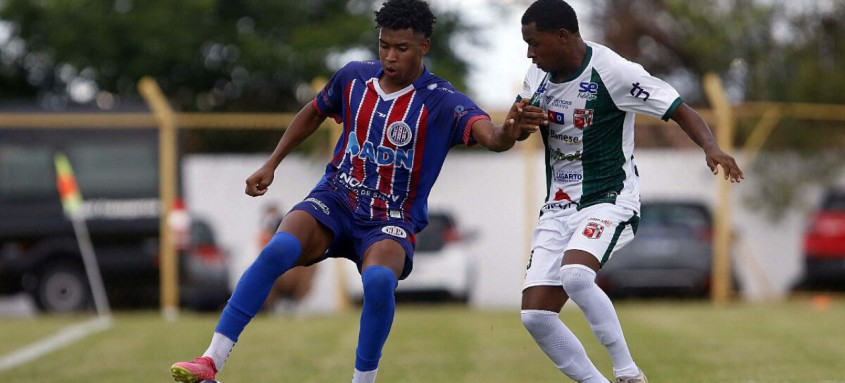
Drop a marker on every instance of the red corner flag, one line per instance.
(68, 189)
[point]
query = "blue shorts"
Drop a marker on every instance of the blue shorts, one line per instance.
(353, 235)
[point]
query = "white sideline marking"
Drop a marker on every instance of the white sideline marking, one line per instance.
(63, 338)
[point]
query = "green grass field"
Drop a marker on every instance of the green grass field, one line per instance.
(686, 342)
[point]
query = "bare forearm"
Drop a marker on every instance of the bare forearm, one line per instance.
(497, 139)
(518, 125)
(493, 137)
(695, 127)
(304, 124)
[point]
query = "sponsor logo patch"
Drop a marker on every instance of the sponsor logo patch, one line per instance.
(563, 104)
(358, 187)
(460, 111)
(593, 230)
(588, 90)
(561, 195)
(562, 201)
(568, 177)
(319, 205)
(639, 92)
(558, 205)
(567, 139)
(556, 117)
(558, 155)
(588, 87)
(538, 98)
(381, 155)
(395, 231)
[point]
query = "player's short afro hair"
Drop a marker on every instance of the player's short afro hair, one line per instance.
(404, 14)
(551, 15)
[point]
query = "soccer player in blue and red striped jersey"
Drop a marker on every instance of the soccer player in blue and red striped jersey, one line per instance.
(399, 122)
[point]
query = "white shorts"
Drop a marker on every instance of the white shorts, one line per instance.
(599, 230)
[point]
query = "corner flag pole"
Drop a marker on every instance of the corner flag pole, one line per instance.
(72, 205)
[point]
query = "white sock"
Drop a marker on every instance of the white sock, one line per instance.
(579, 283)
(561, 346)
(219, 350)
(364, 376)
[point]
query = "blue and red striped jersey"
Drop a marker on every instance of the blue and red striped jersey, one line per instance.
(393, 145)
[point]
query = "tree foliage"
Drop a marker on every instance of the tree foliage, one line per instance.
(764, 51)
(245, 55)
(788, 47)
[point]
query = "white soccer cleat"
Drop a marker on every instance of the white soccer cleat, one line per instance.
(640, 378)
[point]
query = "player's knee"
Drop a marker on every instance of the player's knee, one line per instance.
(537, 322)
(281, 253)
(576, 279)
(379, 283)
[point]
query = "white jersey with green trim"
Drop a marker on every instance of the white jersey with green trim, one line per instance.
(590, 137)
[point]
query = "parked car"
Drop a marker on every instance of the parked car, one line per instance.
(117, 173)
(824, 243)
(670, 254)
(444, 266)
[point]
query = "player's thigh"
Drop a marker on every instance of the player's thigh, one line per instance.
(385, 252)
(581, 257)
(387, 243)
(547, 298)
(547, 246)
(541, 289)
(313, 236)
(600, 230)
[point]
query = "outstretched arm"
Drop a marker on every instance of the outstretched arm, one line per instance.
(303, 125)
(696, 128)
(519, 123)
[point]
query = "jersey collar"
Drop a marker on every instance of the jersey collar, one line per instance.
(583, 67)
(422, 81)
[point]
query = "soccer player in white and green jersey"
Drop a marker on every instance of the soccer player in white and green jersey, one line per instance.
(590, 95)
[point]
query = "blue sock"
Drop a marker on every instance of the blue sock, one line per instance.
(280, 255)
(376, 316)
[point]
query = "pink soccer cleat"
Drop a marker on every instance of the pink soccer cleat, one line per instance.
(200, 369)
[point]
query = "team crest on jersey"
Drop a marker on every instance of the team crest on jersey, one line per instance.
(593, 230)
(395, 231)
(399, 133)
(582, 118)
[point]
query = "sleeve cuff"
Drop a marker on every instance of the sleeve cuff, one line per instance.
(468, 140)
(675, 104)
(316, 107)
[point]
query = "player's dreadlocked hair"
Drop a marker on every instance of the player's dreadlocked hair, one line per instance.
(551, 15)
(404, 14)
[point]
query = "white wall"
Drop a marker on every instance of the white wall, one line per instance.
(497, 195)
